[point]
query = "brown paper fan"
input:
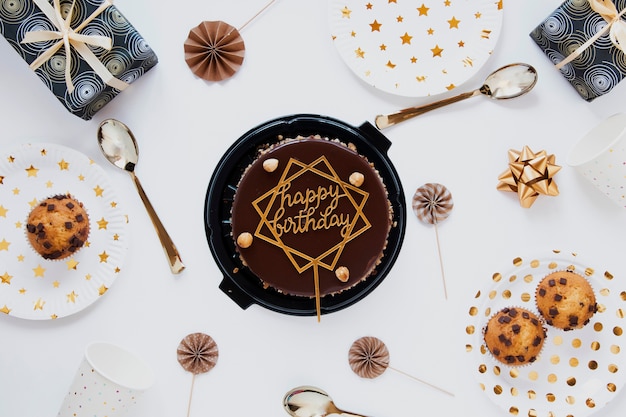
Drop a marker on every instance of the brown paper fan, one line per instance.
(197, 353)
(369, 358)
(214, 50)
(432, 203)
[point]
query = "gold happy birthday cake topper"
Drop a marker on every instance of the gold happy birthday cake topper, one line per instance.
(316, 210)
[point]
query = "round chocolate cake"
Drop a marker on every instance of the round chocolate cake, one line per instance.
(311, 209)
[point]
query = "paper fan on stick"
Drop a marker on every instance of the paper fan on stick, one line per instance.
(432, 203)
(369, 358)
(214, 50)
(197, 353)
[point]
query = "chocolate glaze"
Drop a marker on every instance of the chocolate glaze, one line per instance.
(283, 251)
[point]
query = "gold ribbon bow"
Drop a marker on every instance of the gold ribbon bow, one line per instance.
(68, 37)
(616, 27)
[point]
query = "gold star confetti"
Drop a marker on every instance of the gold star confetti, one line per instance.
(437, 51)
(32, 171)
(102, 224)
(345, 12)
(49, 184)
(116, 237)
(16, 191)
(499, 5)
(3, 211)
(461, 44)
(117, 269)
(478, 15)
(63, 165)
(360, 53)
(39, 304)
(54, 316)
(413, 60)
(454, 23)
(104, 256)
(56, 284)
(5, 309)
(11, 159)
(39, 271)
(113, 204)
(369, 6)
(423, 10)
(399, 19)
(71, 297)
(6, 278)
(430, 31)
(450, 87)
(447, 3)
(22, 291)
(375, 26)
(390, 64)
(20, 258)
(383, 47)
(72, 264)
(98, 191)
(1, 179)
(81, 177)
(406, 38)
(4, 245)
(33, 202)
(88, 277)
(43, 152)
(102, 290)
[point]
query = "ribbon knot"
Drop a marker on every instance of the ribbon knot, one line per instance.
(68, 37)
(615, 26)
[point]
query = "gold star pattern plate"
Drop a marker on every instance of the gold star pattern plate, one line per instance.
(578, 371)
(32, 287)
(415, 48)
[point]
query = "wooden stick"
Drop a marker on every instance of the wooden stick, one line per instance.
(443, 277)
(193, 378)
(258, 13)
(316, 279)
(423, 382)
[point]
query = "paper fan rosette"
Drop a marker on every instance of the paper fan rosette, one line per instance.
(214, 50)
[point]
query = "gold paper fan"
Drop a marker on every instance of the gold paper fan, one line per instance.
(214, 50)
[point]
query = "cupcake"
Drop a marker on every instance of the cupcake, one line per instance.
(566, 300)
(57, 227)
(514, 336)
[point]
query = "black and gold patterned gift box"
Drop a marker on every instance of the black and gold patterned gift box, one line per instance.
(582, 39)
(84, 51)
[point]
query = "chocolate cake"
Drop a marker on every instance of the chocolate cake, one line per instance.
(311, 207)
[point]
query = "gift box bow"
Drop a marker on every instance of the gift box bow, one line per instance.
(67, 37)
(615, 26)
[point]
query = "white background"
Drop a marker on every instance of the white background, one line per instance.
(184, 125)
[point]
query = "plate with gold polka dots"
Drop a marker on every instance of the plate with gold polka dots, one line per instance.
(35, 288)
(578, 371)
(415, 48)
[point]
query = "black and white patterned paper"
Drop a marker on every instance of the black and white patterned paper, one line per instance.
(129, 58)
(600, 67)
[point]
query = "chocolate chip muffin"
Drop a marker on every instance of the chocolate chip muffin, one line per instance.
(566, 300)
(57, 227)
(515, 336)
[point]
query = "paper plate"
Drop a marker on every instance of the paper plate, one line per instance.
(579, 371)
(32, 287)
(415, 48)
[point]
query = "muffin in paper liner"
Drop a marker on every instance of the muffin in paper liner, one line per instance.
(566, 300)
(578, 372)
(68, 221)
(514, 336)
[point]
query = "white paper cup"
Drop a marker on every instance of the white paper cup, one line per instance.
(107, 383)
(600, 156)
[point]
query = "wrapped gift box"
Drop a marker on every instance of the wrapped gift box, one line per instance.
(598, 67)
(91, 63)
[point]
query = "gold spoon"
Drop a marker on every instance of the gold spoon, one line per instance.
(307, 401)
(510, 81)
(119, 146)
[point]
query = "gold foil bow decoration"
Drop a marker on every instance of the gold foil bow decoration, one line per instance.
(529, 175)
(615, 25)
(68, 37)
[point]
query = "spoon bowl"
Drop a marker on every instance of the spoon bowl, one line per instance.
(507, 82)
(308, 401)
(119, 146)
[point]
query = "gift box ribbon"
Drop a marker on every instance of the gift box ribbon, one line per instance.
(68, 37)
(616, 27)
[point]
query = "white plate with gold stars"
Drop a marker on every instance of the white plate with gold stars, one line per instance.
(32, 287)
(578, 371)
(415, 48)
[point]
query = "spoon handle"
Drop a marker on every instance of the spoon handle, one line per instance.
(176, 264)
(383, 121)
